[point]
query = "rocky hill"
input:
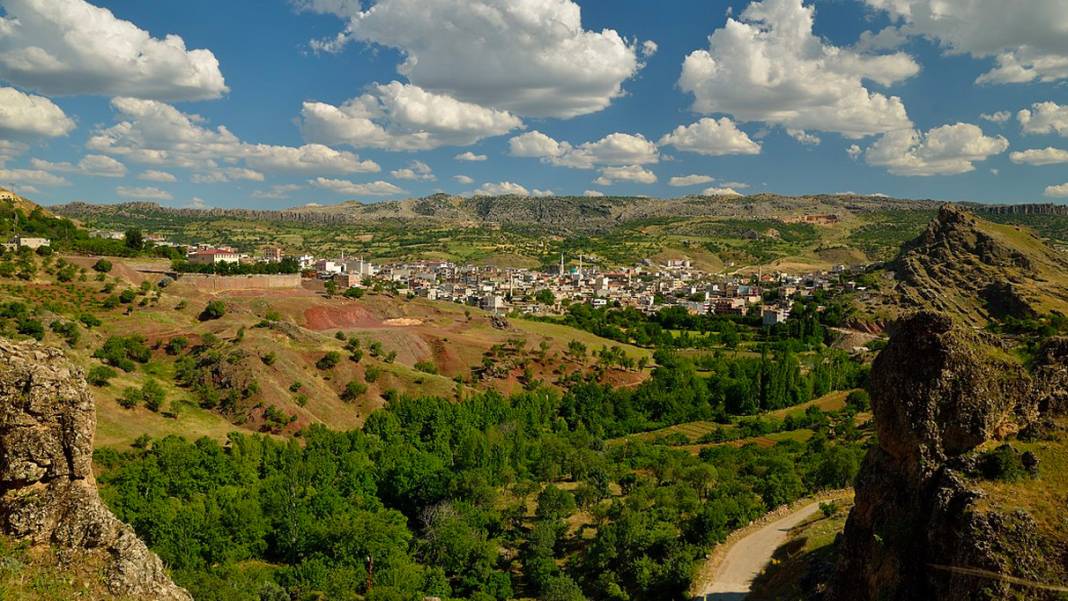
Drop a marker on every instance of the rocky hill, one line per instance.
(937, 515)
(555, 214)
(976, 270)
(48, 497)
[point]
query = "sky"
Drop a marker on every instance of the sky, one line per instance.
(280, 103)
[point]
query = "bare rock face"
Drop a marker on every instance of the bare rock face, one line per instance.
(939, 390)
(47, 491)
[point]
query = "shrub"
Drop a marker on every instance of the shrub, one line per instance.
(370, 375)
(99, 375)
(177, 345)
(1003, 463)
(339, 335)
(353, 390)
(426, 367)
(300, 399)
(123, 351)
(295, 386)
(68, 330)
(353, 292)
(214, 310)
(269, 358)
(127, 296)
(110, 302)
(329, 360)
(89, 320)
(131, 397)
(356, 356)
(859, 400)
(390, 357)
(31, 327)
(153, 395)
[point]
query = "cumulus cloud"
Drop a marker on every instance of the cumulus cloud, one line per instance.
(803, 136)
(1036, 156)
(723, 191)
(690, 180)
(711, 137)
(32, 176)
(463, 179)
(277, 191)
(342, 186)
(1029, 44)
(155, 175)
(613, 149)
(501, 189)
(1059, 191)
(155, 133)
(1044, 118)
(416, 170)
(397, 116)
(73, 47)
(593, 193)
(145, 193)
(227, 174)
(197, 203)
(767, 65)
(628, 173)
(531, 58)
(944, 150)
(26, 116)
(470, 156)
(996, 117)
(854, 151)
(93, 164)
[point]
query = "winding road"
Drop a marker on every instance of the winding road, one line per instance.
(746, 558)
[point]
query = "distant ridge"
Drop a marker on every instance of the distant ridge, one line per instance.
(553, 214)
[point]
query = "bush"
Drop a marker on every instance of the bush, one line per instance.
(269, 358)
(123, 351)
(177, 345)
(339, 335)
(31, 327)
(68, 330)
(426, 367)
(131, 397)
(1003, 463)
(102, 266)
(99, 375)
(127, 296)
(353, 390)
(89, 320)
(370, 375)
(859, 400)
(295, 386)
(214, 310)
(353, 292)
(329, 360)
(153, 395)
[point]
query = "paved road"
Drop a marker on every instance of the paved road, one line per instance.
(747, 557)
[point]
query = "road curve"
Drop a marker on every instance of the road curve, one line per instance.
(746, 558)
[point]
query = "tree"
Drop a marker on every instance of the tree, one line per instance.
(353, 292)
(214, 310)
(100, 374)
(102, 266)
(328, 360)
(545, 297)
(134, 239)
(153, 395)
(353, 390)
(331, 287)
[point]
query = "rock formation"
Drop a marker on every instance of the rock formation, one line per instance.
(975, 270)
(47, 491)
(919, 528)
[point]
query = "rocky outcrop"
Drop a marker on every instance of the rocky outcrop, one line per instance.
(918, 529)
(47, 491)
(976, 271)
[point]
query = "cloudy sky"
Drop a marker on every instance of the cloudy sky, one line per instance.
(276, 103)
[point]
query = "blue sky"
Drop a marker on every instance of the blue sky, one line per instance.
(272, 104)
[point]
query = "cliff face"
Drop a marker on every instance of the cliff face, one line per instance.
(920, 528)
(47, 492)
(976, 270)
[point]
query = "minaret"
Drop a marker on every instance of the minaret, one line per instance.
(561, 264)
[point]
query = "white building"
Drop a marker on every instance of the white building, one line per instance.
(213, 256)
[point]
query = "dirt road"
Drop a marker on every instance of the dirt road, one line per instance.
(747, 557)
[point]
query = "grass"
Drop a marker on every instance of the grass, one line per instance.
(38, 574)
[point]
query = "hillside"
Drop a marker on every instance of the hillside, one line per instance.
(977, 270)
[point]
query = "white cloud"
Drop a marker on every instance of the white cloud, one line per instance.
(1044, 118)
(769, 66)
(155, 133)
(228, 174)
(803, 137)
(593, 193)
(854, 151)
(463, 179)
(92, 164)
(613, 149)
(28, 116)
(1059, 191)
(28, 190)
(690, 180)
(722, 191)
(711, 137)
(470, 156)
(944, 150)
(501, 189)
(399, 116)
(628, 173)
(73, 47)
(155, 175)
(145, 193)
(416, 170)
(996, 117)
(537, 192)
(1028, 44)
(649, 48)
(197, 203)
(32, 176)
(1044, 156)
(341, 186)
(277, 191)
(530, 58)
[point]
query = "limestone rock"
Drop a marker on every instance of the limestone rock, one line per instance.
(47, 491)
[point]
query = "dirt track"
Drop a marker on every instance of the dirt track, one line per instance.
(747, 557)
